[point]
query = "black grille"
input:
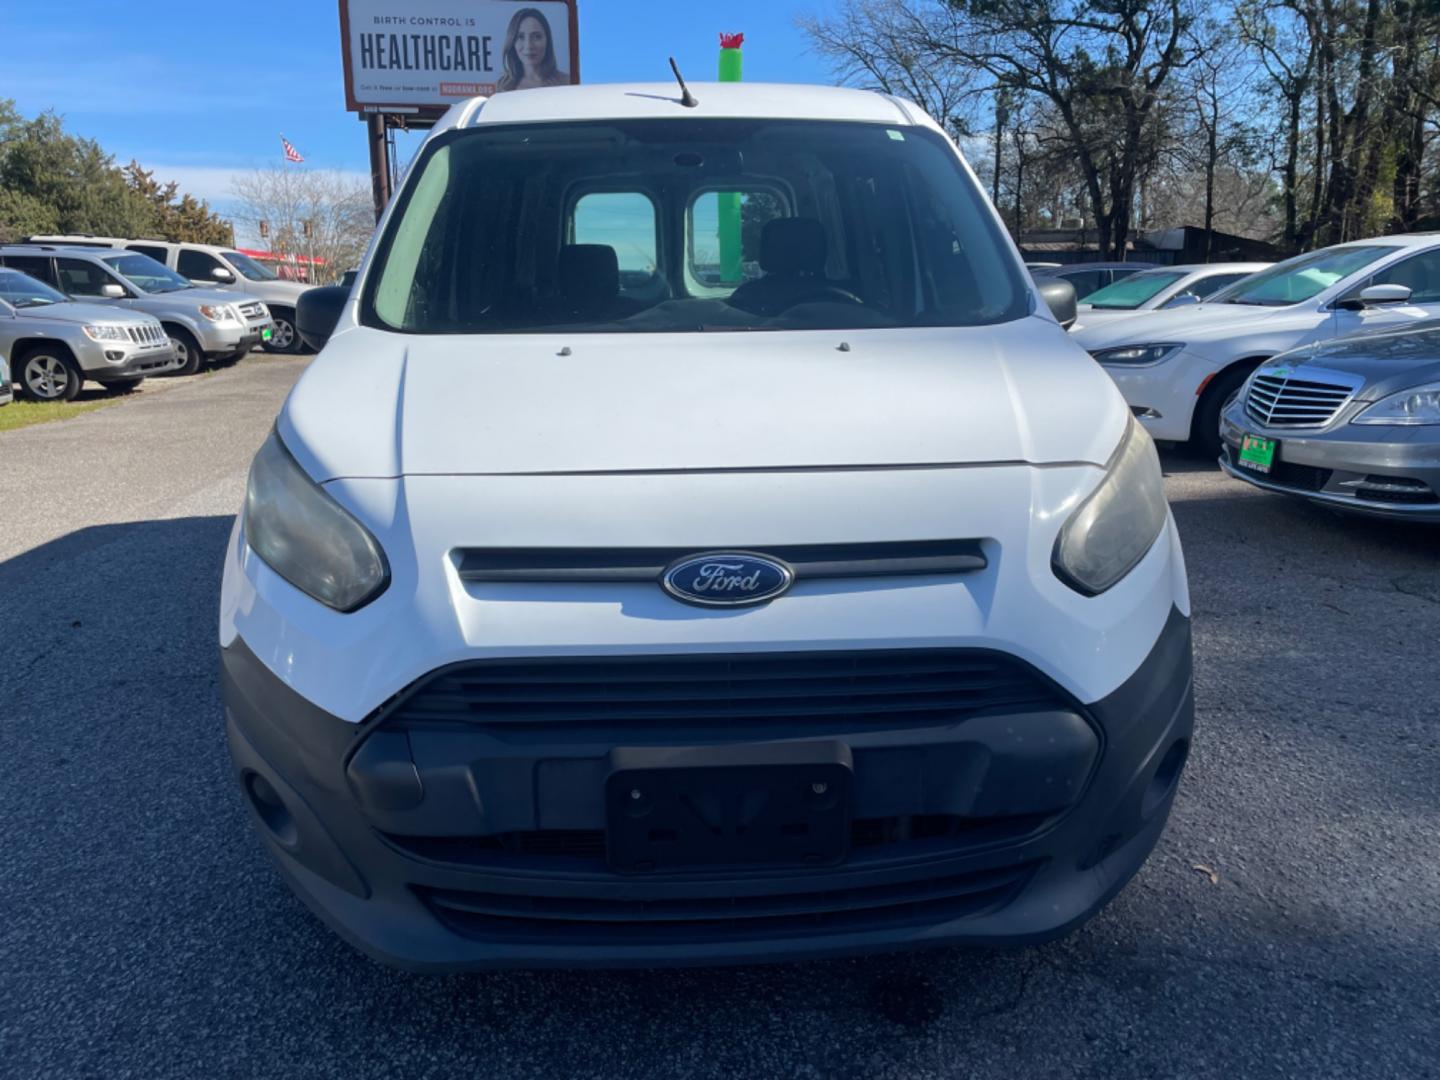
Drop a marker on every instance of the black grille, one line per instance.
(837, 690)
(1304, 477)
(808, 561)
(897, 835)
(1395, 489)
(580, 920)
(1287, 474)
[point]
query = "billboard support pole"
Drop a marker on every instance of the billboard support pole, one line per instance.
(375, 124)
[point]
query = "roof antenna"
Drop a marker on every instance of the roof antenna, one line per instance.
(687, 99)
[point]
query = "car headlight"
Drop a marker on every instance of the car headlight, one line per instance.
(1114, 528)
(308, 538)
(219, 312)
(105, 332)
(1412, 407)
(1138, 354)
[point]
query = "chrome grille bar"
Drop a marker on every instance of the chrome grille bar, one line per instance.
(1298, 397)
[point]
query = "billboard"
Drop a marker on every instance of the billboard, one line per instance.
(422, 56)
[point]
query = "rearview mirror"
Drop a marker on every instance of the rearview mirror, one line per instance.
(111, 291)
(1185, 299)
(1059, 297)
(317, 313)
(221, 274)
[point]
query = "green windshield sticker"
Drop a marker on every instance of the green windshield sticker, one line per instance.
(896, 135)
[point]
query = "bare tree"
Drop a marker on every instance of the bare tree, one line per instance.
(316, 214)
(880, 45)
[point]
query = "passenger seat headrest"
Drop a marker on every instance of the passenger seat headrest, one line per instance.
(793, 246)
(589, 273)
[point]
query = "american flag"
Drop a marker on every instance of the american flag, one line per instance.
(291, 154)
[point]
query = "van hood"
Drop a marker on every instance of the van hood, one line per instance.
(379, 404)
(82, 313)
(1197, 322)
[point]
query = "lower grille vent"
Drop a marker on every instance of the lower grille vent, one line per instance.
(581, 920)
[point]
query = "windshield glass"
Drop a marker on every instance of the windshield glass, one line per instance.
(23, 291)
(691, 225)
(145, 273)
(1129, 293)
(249, 267)
(1300, 278)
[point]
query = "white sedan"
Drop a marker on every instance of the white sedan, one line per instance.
(1177, 368)
(1162, 288)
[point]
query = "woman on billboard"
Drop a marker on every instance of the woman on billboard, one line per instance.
(530, 54)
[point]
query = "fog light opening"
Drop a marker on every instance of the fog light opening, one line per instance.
(1167, 775)
(271, 809)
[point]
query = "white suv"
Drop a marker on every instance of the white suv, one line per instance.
(214, 267)
(696, 542)
(1178, 368)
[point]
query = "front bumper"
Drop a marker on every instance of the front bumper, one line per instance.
(222, 339)
(257, 333)
(1162, 397)
(1058, 807)
(7, 392)
(1363, 469)
(106, 361)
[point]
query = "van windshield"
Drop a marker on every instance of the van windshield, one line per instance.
(691, 225)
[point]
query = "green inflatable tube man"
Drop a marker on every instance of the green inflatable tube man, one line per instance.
(730, 268)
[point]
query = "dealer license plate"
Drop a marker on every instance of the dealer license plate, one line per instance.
(266, 334)
(1257, 453)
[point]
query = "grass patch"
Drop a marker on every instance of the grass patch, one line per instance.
(19, 414)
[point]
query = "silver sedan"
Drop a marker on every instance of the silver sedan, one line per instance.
(1352, 424)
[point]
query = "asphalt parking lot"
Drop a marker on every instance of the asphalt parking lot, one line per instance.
(1288, 924)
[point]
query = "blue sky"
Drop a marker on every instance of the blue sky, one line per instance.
(199, 92)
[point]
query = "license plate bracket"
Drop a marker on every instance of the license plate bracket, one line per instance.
(1257, 454)
(704, 807)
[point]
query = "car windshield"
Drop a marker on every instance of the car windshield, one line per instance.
(23, 291)
(249, 267)
(145, 273)
(1302, 277)
(1129, 293)
(691, 225)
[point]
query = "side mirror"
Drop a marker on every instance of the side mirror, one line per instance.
(1059, 297)
(1372, 295)
(111, 291)
(1185, 299)
(221, 274)
(318, 311)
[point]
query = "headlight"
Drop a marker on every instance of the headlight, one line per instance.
(1138, 354)
(106, 332)
(1114, 528)
(306, 537)
(1412, 407)
(218, 312)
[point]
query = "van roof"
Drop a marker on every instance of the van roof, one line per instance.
(661, 100)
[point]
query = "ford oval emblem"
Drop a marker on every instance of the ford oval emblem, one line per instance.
(726, 579)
